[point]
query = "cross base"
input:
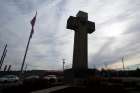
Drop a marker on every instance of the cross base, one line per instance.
(81, 75)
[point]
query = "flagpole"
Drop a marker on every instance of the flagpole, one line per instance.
(31, 33)
(3, 55)
(23, 62)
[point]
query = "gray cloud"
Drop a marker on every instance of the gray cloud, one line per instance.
(52, 42)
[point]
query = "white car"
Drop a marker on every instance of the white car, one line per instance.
(9, 78)
(51, 77)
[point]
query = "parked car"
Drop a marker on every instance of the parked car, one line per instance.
(32, 77)
(9, 78)
(51, 78)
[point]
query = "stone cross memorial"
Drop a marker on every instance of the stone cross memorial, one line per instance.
(82, 27)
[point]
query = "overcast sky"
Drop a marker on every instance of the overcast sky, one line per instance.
(117, 32)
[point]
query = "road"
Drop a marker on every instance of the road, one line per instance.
(49, 90)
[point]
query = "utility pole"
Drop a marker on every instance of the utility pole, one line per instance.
(123, 63)
(63, 64)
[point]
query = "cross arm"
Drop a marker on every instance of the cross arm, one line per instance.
(72, 23)
(90, 27)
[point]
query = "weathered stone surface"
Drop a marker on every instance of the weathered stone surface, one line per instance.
(82, 27)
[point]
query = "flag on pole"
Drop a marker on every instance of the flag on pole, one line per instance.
(32, 24)
(31, 33)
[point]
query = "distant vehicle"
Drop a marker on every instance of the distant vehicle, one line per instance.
(9, 78)
(51, 78)
(32, 77)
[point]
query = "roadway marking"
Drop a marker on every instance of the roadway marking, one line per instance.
(51, 89)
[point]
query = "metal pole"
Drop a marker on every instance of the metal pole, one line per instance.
(5, 68)
(123, 63)
(9, 68)
(23, 62)
(3, 56)
(63, 64)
